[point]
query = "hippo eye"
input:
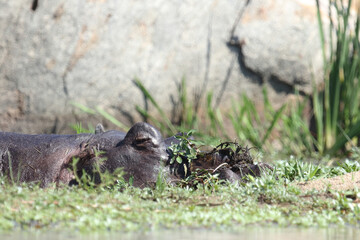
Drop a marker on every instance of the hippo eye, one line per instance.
(143, 142)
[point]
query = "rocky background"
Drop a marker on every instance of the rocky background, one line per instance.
(55, 52)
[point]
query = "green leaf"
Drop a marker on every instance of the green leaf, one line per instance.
(190, 133)
(179, 159)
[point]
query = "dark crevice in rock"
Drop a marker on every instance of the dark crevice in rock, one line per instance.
(55, 126)
(235, 45)
(279, 86)
(202, 90)
(226, 81)
(275, 82)
(64, 82)
(34, 5)
(282, 87)
(248, 72)
(65, 86)
(238, 18)
(237, 54)
(259, 78)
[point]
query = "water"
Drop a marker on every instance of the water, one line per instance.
(348, 233)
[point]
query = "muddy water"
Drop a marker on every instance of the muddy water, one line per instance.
(349, 233)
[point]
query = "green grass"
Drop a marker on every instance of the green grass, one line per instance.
(266, 201)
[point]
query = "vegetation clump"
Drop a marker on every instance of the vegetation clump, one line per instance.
(228, 161)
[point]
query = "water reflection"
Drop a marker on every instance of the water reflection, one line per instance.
(349, 233)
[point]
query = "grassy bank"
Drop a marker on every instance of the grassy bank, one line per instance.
(271, 199)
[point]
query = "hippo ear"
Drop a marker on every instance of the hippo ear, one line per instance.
(99, 128)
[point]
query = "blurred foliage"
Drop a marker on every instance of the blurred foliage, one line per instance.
(337, 105)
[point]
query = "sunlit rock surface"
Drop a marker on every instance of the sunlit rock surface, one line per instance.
(53, 53)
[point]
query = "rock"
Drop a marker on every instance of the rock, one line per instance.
(53, 53)
(279, 42)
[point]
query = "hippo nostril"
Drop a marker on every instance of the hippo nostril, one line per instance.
(84, 145)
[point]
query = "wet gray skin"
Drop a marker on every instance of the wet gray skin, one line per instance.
(47, 158)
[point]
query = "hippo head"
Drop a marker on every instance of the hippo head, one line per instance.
(141, 155)
(143, 136)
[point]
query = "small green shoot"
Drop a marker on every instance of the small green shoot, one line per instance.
(185, 149)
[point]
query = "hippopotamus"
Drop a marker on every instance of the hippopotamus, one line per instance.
(47, 158)
(141, 153)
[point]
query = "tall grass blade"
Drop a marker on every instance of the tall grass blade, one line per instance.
(156, 105)
(321, 30)
(156, 122)
(341, 141)
(112, 119)
(273, 123)
(83, 108)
